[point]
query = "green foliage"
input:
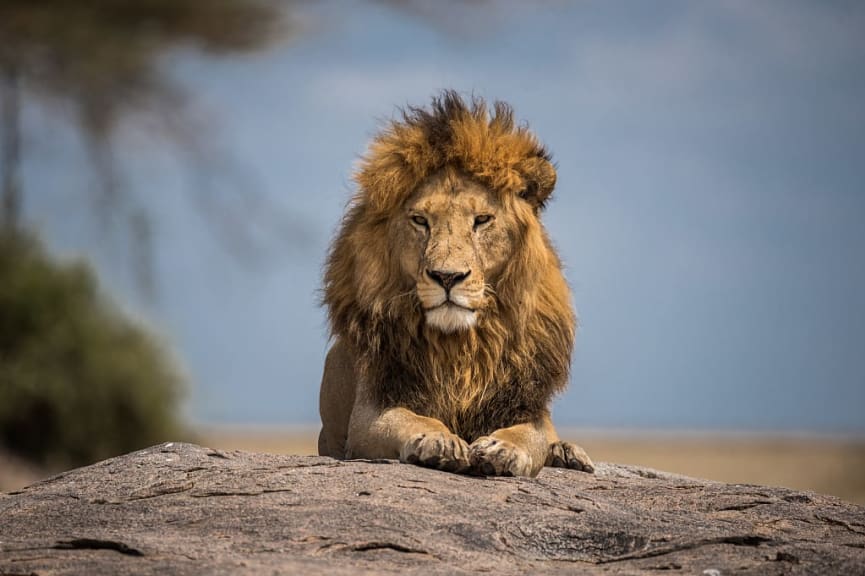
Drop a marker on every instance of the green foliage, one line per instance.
(78, 381)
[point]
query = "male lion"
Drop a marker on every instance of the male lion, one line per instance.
(452, 321)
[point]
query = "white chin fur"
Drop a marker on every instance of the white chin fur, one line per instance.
(449, 318)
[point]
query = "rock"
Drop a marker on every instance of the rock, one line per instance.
(184, 509)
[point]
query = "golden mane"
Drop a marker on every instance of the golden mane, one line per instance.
(503, 156)
(507, 368)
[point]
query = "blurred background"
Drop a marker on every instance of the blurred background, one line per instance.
(173, 171)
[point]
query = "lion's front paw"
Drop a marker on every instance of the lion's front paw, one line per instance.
(569, 455)
(441, 450)
(493, 457)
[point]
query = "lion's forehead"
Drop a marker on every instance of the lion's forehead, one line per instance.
(448, 193)
(447, 206)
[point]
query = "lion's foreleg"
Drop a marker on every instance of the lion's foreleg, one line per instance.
(400, 433)
(563, 454)
(523, 449)
(519, 450)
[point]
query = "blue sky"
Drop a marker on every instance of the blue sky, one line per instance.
(709, 208)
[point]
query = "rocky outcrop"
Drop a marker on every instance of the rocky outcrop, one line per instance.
(184, 509)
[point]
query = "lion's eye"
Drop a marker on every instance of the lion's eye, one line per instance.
(482, 219)
(419, 220)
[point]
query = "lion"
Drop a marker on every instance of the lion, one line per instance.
(451, 319)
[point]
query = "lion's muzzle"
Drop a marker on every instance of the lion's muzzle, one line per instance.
(447, 279)
(450, 310)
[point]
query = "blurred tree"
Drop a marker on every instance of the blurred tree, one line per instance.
(102, 59)
(78, 381)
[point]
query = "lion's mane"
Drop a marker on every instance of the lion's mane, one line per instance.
(506, 369)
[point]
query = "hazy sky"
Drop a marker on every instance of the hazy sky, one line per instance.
(709, 210)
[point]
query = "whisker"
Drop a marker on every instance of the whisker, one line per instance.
(396, 297)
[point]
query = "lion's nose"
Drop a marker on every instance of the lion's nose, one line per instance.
(446, 279)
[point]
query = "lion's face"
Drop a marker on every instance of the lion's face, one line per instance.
(454, 240)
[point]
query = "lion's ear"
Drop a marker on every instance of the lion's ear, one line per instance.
(540, 179)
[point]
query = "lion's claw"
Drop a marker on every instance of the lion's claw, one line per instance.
(493, 457)
(440, 450)
(569, 455)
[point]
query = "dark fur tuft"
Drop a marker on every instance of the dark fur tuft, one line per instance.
(490, 147)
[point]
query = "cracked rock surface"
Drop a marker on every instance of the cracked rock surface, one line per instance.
(185, 509)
